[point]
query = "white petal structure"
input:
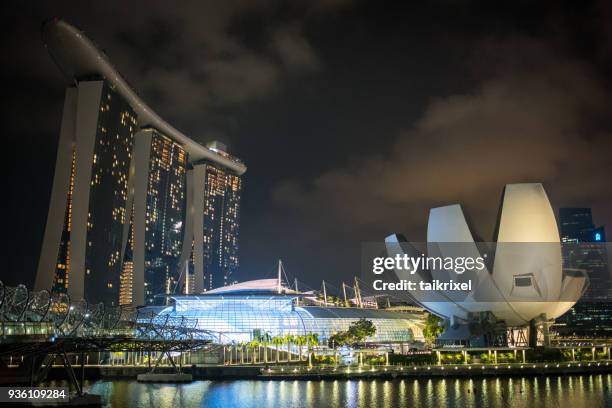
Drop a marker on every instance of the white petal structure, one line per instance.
(524, 279)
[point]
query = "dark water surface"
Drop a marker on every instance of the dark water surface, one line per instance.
(568, 391)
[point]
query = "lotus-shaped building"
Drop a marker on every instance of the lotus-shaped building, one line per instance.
(523, 286)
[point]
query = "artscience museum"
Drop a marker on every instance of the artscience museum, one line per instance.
(523, 286)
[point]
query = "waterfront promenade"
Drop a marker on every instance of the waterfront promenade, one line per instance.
(301, 372)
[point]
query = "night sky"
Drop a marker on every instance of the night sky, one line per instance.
(354, 118)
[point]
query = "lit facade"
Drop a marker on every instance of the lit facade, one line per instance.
(126, 284)
(241, 316)
(165, 215)
(211, 239)
(585, 248)
(127, 205)
(62, 270)
(108, 212)
(587, 320)
(126, 280)
(222, 192)
(514, 289)
(82, 247)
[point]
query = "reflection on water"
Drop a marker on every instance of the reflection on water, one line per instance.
(571, 391)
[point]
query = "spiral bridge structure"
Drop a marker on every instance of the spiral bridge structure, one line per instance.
(33, 321)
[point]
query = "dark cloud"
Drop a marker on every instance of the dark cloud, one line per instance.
(295, 51)
(185, 61)
(354, 117)
(528, 120)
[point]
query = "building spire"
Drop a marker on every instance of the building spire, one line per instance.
(280, 269)
(324, 294)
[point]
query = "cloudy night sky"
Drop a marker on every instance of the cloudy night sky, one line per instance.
(353, 117)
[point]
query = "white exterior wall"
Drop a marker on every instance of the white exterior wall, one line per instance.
(59, 195)
(199, 180)
(142, 155)
(79, 129)
(194, 226)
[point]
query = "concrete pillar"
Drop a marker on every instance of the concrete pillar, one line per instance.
(533, 333)
(523, 355)
(88, 102)
(142, 153)
(194, 224)
(78, 134)
(199, 180)
(59, 195)
(546, 333)
(188, 230)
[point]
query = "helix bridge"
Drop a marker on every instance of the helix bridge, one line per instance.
(45, 326)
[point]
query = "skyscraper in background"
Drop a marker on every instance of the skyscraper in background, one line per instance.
(157, 216)
(126, 279)
(165, 214)
(585, 248)
(212, 258)
(221, 222)
(131, 194)
(90, 188)
(576, 225)
(108, 212)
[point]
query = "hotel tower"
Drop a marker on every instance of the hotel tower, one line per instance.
(138, 210)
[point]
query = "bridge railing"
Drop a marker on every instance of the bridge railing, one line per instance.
(55, 315)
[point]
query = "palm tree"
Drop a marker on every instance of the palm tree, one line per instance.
(265, 340)
(242, 344)
(233, 350)
(277, 341)
(300, 341)
(288, 339)
(312, 339)
(253, 344)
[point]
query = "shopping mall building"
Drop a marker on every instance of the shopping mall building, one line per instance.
(245, 311)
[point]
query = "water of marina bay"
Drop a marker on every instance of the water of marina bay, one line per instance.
(555, 391)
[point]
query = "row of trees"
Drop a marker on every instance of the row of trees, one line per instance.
(265, 340)
(357, 332)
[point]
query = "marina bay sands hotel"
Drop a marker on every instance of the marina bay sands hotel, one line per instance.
(137, 208)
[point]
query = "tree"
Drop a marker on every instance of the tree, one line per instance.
(254, 344)
(242, 347)
(277, 341)
(300, 341)
(264, 340)
(312, 340)
(362, 329)
(288, 339)
(433, 328)
(357, 332)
